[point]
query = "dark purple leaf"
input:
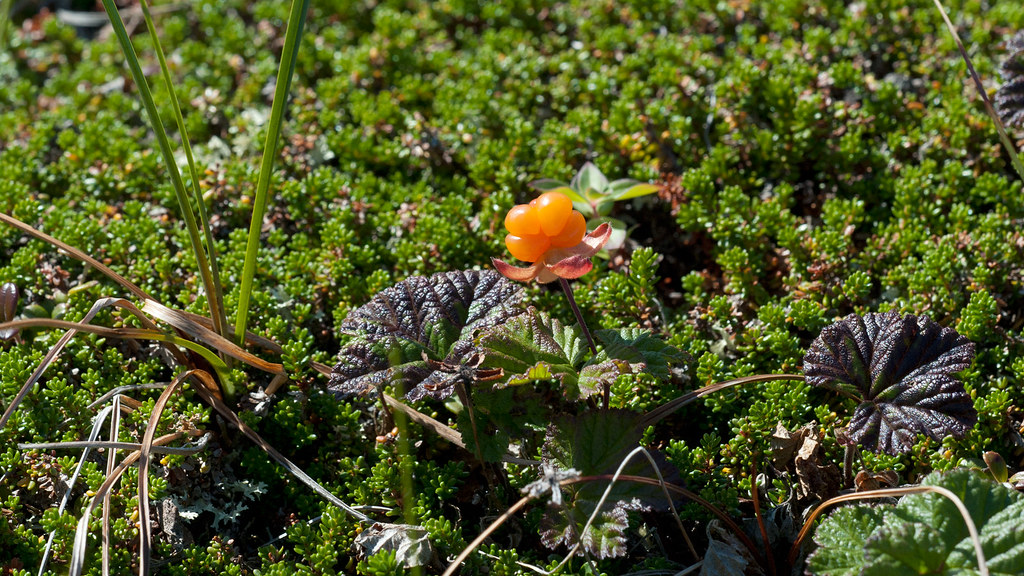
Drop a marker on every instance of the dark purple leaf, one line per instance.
(902, 368)
(1010, 96)
(421, 330)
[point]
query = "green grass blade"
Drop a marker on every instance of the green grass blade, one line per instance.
(1003, 136)
(5, 18)
(293, 36)
(165, 149)
(217, 309)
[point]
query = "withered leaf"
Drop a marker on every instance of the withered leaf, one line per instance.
(902, 368)
(416, 327)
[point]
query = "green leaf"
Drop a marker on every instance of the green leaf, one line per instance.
(589, 178)
(534, 346)
(502, 414)
(548, 185)
(841, 541)
(905, 550)
(925, 533)
(595, 443)
(640, 348)
(636, 191)
(593, 377)
(145, 94)
(286, 69)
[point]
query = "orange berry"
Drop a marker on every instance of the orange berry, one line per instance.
(522, 220)
(573, 232)
(553, 210)
(527, 248)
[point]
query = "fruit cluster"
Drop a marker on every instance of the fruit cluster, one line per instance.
(548, 221)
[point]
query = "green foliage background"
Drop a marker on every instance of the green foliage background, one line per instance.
(819, 158)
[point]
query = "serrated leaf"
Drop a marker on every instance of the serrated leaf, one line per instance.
(640, 348)
(604, 538)
(530, 341)
(904, 550)
(596, 443)
(594, 377)
(436, 316)
(925, 533)
(902, 369)
(841, 541)
(502, 414)
(593, 442)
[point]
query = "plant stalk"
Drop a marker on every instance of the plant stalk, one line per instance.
(848, 457)
(579, 316)
(586, 332)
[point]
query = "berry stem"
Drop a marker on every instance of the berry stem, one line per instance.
(579, 316)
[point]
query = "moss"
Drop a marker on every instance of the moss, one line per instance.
(817, 159)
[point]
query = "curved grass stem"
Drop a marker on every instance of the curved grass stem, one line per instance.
(972, 529)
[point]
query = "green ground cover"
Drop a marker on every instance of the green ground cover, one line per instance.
(815, 158)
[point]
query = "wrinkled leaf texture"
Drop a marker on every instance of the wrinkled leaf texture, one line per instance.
(924, 533)
(437, 316)
(534, 346)
(596, 443)
(1010, 96)
(902, 369)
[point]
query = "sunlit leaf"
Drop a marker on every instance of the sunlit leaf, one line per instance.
(534, 346)
(902, 369)
(925, 533)
(589, 178)
(637, 190)
(436, 317)
(841, 541)
(640, 348)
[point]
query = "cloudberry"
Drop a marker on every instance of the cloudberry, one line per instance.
(547, 222)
